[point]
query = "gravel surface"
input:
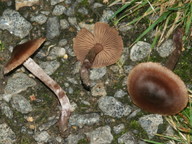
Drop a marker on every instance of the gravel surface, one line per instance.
(29, 110)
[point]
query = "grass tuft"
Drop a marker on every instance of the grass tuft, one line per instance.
(163, 16)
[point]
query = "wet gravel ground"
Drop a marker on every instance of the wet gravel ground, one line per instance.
(29, 110)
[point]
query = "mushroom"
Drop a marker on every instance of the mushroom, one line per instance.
(156, 89)
(175, 55)
(21, 55)
(102, 48)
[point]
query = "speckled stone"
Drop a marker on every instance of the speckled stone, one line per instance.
(15, 23)
(85, 119)
(7, 136)
(21, 104)
(140, 50)
(101, 135)
(112, 107)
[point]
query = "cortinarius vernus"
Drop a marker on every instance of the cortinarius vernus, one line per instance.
(102, 48)
(157, 89)
(21, 55)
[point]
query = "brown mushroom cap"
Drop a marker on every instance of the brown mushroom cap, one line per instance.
(156, 89)
(104, 35)
(21, 53)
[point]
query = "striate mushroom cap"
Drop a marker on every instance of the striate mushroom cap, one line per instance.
(104, 36)
(156, 89)
(21, 53)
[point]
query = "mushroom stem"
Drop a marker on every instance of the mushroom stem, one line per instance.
(174, 57)
(46, 79)
(87, 63)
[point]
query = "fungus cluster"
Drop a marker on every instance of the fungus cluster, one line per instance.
(157, 89)
(101, 48)
(21, 55)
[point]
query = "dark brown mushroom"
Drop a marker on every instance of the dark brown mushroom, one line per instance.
(21, 55)
(102, 48)
(156, 89)
(175, 55)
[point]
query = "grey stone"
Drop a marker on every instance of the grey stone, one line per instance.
(124, 56)
(97, 5)
(98, 90)
(83, 11)
(15, 23)
(70, 11)
(127, 68)
(166, 48)
(50, 66)
(89, 27)
(56, 52)
(21, 104)
(112, 107)
(40, 19)
(73, 21)
(140, 50)
(54, 2)
(58, 10)
(45, 12)
(52, 28)
(150, 123)
(74, 139)
(123, 27)
(7, 136)
(114, 68)
(68, 2)
(69, 50)
(64, 24)
(6, 110)
(70, 90)
(120, 93)
(18, 82)
(106, 16)
(72, 80)
(97, 73)
(101, 135)
(85, 119)
(76, 67)
(127, 138)
(47, 125)
(62, 42)
(119, 128)
(42, 136)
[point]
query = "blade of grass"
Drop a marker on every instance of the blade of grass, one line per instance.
(170, 138)
(152, 142)
(159, 20)
(157, 35)
(165, 25)
(189, 21)
(122, 8)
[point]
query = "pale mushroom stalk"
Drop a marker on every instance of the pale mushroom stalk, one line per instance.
(36, 70)
(21, 55)
(87, 63)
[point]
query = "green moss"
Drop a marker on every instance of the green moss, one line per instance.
(183, 68)
(2, 47)
(25, 139)
(83, 141)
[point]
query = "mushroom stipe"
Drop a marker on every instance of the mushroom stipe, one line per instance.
(21, 54)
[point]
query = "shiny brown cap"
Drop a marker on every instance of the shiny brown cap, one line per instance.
(104, 35)
(21, 53)
(156, 89)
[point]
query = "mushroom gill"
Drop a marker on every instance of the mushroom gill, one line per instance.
(102, 48)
